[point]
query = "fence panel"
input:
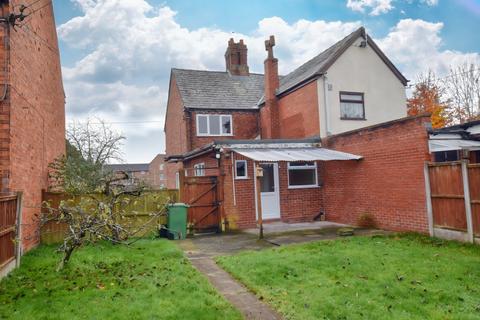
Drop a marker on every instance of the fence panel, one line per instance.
(138, 212)
(448, 204)
(8, 220)
(474, 181)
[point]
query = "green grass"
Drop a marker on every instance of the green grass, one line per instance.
(404, 277)
(149, 280)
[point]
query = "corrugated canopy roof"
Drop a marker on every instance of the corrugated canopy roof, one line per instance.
(295, 154)
(453, 144)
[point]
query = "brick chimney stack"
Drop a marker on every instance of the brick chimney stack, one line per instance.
(269, 117)
(236, 58)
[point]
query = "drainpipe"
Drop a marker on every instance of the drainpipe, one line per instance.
(325, 102)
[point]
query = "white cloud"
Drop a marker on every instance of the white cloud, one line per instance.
(430, 3)
(376, 7)
(130, 47)
(416, 45)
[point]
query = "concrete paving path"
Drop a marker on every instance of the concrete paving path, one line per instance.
(239, 296)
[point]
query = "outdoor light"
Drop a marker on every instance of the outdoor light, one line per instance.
(217, 155)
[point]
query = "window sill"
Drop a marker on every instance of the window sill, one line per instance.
(304, 187)
(214, 135)
(241, 178)
(354, 119)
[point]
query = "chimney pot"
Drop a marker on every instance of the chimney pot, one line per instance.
(236, 58)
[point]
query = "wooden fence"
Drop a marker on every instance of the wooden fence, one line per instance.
(8, 229)
(138, 212)
(453, 200)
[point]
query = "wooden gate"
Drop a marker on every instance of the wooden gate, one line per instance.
(203, 195)
(8, 221)
(453, 198)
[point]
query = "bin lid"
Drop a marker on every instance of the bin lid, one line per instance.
(178, 204)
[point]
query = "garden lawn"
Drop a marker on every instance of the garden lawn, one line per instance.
(149, 280)
(403, 277)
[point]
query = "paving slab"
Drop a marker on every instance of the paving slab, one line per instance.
(238, 295)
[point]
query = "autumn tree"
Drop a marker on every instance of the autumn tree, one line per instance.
(427, 98)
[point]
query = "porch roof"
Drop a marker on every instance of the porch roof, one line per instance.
(294, 154)
(452, 144)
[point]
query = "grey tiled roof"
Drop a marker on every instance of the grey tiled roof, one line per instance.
(127, 167)
(218, 90)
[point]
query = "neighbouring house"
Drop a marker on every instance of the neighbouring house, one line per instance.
(332, 138)
(149, 174)
(456, 142)
(32, 111)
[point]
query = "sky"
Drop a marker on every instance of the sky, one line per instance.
(117, 54)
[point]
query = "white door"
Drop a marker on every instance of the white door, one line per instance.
(269, 191)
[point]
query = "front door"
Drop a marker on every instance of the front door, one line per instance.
(269, 191)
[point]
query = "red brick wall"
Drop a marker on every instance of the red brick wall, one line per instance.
(33, 116)
(298, 205)
(298, 113)
(387, 183)
(241, 212)
(175, 131)
(154, 172)
(245, 126)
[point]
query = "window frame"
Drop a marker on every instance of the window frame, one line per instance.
(292, 166)
(246, 170)
(199, 167)
(220, 116)
(362, 94)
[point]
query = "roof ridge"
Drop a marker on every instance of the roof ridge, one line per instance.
(215, 71)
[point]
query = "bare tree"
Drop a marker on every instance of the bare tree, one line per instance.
(462, 87)
(95, 141)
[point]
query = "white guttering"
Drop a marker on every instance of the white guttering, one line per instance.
(325, 101)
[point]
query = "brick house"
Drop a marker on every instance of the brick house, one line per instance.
(32, 109)
(332, 137)
(152, 174)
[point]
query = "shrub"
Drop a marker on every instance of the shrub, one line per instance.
(367, 220)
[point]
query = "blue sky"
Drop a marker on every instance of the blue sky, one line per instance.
(114, 50)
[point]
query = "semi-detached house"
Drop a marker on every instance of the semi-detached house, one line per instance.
(332, 138)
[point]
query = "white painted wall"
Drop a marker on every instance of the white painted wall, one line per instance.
(361, 70)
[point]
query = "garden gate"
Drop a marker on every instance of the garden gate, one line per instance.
(204, 196)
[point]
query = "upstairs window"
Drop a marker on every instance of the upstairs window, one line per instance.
(214, 125)
(352, 106)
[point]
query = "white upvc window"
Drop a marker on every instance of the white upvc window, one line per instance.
(241, 169)
(302, 175)
(199, 169)
(352, 105)
(214, 125)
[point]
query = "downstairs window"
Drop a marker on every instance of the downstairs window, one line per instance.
(302, 175)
